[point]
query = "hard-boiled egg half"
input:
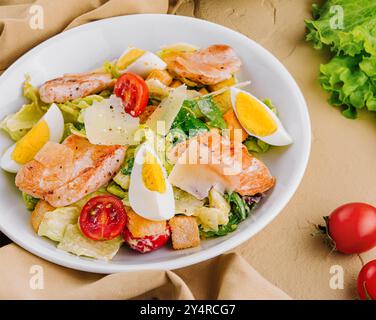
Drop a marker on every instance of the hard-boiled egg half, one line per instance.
(150, 193)
(139, 61)
(258, 119)
(49, 128)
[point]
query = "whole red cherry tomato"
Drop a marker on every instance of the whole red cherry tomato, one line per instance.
(103, 218)
(367, 281)
(134, 93)
(352, 227)
(147, 243)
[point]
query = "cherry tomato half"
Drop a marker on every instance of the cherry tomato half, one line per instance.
(367, 281)
(352, 227)
(134, 93)
(103, 218)
(147, 243)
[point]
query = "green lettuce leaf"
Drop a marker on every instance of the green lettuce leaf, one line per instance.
(350, 76)
(348, 85)
(256, 145)
(54, 223)
(78, 129)
(110, 67)
(357, 32)
(19, 123)
(204, 109)
(239, 212)
(75, 242)
(29, 201)
(72, 110)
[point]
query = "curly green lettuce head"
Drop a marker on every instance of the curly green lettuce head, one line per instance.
(350, 87)
(346, 26)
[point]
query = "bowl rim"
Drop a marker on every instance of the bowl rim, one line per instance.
(181, 261)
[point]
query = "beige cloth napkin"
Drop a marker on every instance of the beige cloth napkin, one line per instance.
(226, 277)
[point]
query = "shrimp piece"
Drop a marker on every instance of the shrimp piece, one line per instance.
(73, 86)
(207, 66)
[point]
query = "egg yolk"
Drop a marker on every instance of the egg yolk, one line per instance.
(253, 116)
(152, 174)
(31, 143)
(130, 57)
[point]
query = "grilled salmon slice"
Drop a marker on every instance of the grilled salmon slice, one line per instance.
(62, 174)
(73, 86)
(208, 66)
(211, 160)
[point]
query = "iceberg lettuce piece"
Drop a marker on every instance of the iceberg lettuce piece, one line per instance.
(75, 242)
(54, 222)
(185, 203)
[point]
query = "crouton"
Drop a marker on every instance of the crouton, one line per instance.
(176, 83)
(147, 113)
(185, 233)
(140, 227)
(203, 91)
(233, 123)
(161, 75)
(39, 212)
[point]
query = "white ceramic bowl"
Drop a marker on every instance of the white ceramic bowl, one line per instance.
(88, 46)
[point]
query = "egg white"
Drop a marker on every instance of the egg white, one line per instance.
(280, 137)
(55, 122)
(144, 64)
(149, 204)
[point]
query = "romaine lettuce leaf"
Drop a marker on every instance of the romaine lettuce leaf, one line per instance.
(72, 110)
(75, 242)
(19, 123)
(29, 201)
(110, 67)
(78, 129)
(54, 222)
(241, 208)
(256, 145)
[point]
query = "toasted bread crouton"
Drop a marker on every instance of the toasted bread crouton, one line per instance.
(176, 83)
(184, 232)
(38, 214)
(147, 113)
(233, 123)
(161, 75)
(140, 227)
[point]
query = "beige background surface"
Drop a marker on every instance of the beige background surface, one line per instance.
(341, 166)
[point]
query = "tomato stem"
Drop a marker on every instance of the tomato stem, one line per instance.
(324, 230)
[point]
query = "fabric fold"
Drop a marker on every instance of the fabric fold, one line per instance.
(25, 276)
(24, 24)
